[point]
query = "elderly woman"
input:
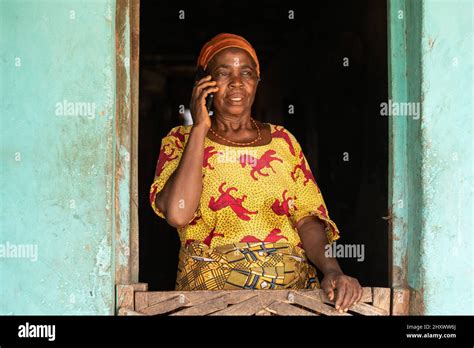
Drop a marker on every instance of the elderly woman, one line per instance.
(240, 192)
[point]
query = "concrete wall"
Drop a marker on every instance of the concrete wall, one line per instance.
(431, 49)
(447, 248)
(57, 139)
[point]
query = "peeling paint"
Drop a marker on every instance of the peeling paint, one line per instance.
(432, 239)
(67, 161)
(103, 258)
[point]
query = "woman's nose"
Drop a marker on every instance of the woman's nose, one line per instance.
(235, 81)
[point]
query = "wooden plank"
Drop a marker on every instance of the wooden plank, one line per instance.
(140, 296)
(254, 302)
(141, 300)
(264, 312)
(220, 302)
(319, 294)
(234, 296)
(155, 297)
(125, 297)
(194, 297)
(400, 301)
(315, 304)
(366, 309)
(206, 307)
(134, 9)
(198, 297)
(238, 296)
(283, 308)
(140, 286)
(367, 295)
(124, 311)
(382, 299)
(247, 307)
(123, 272)
(166, 306)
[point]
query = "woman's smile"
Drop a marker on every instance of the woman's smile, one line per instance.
(236, 98)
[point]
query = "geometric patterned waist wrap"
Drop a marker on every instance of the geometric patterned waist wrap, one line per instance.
(238, 266)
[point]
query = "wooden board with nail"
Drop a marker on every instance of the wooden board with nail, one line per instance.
(375, 301)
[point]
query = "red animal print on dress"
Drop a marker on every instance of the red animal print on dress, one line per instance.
(226, 200)
(195, 220)
(323, 211)
(305, 170)
(163, 158)
(259, 164)
(208, 153)
(179, 135)
(178, 144)
(208, 239)
(280, 133)
(153, 195)
(283, 207)
(272, 237)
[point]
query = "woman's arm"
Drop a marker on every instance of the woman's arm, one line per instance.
(348, 290)
(180, 196)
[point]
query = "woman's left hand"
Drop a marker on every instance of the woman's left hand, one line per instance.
(345, 289)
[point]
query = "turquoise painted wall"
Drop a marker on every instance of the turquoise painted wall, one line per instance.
(57, 136)
(431, 52)
(57, 67)
(447, 176)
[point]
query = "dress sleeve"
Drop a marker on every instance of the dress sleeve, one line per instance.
(309, 200)
(171, 150)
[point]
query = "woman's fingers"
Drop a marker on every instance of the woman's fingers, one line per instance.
(205, 85)
(204, 81)
(341, 291)
(207, 91)
(201, 91)
(348, 292)
(328, 289)
(205, 78)
(347, 298)
(355, 295)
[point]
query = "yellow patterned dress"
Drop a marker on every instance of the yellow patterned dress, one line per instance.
(243, 235)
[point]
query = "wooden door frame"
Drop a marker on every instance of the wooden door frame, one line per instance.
(125, 241)
(397, 161)
(126, 232)
(405, 18)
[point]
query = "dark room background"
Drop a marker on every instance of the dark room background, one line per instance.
(329, 63)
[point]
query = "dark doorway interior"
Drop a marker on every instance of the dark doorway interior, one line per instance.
(336, 108)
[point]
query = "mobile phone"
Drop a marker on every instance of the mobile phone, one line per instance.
(200, 73)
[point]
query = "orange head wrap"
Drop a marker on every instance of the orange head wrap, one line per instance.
(221, 42)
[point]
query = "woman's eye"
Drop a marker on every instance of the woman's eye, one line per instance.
(247, 73)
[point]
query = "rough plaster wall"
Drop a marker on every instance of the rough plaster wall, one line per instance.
(431, 165)
(447, 247)
(56, 168)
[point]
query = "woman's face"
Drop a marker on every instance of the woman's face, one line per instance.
(234, 71)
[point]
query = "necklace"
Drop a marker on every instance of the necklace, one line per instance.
(234, 143)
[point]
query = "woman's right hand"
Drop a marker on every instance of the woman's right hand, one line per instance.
(201, 90)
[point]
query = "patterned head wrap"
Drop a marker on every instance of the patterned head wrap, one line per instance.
(221, 42)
